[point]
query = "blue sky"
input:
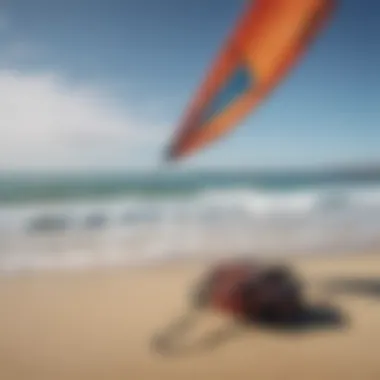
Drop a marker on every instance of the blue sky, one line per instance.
(104, 83)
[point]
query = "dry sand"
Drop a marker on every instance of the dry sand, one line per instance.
(100, 326)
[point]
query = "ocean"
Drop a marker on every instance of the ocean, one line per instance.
(98, 220)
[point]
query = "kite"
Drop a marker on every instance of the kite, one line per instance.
(268, 40)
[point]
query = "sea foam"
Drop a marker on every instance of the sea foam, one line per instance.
(137, 230)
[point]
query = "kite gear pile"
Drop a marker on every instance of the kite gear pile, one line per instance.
(251, 291)
(246, 291)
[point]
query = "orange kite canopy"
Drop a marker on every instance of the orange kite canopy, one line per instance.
(265, 44)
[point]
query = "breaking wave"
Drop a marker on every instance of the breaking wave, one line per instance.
(133, 230)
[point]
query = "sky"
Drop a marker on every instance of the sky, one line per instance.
(101, 84)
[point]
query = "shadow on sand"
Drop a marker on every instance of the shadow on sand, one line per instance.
(358, 286)
(171, 341)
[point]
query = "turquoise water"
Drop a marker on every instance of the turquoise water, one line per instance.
(39, 188)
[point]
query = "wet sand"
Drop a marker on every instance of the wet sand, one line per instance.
(101, 325)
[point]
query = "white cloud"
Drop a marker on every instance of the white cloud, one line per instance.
(46, 123)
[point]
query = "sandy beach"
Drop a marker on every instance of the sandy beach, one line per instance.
(100, 325)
